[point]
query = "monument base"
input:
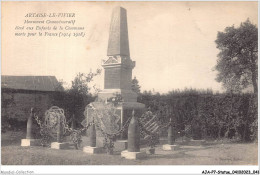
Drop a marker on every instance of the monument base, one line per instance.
(127, 95)
(92, 150)
(120, 145)
(56, 145)
(122, 113)
(168, 147)
(132, 155)
(30, 142)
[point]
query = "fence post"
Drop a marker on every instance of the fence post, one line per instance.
(92, 135)
(29, 125)
(92, 148)
(58, 130)
(171, 139)
(133, 145)
(29, 141)
(133, 135)
(171, 135)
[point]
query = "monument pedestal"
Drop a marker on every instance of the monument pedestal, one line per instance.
(57, 145)
(168, 147)
(122, 112)
(30, 142)
(126, 94)
(132, 155)
(92, 150)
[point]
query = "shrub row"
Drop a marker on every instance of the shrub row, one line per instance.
(207, 115)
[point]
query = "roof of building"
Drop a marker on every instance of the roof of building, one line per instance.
(35, 83)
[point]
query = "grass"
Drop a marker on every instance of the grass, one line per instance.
(211, 154)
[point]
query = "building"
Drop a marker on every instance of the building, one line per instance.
(20, 93)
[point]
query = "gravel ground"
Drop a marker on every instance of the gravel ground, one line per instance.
(210, 154)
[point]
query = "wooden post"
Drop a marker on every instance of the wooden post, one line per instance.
(29, 125)
(133, 135)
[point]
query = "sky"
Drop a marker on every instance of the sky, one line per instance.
(173, 43)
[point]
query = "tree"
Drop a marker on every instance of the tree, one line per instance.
(60, 86)
(80, 84)
(135, 86)
(238, 58)
(75, 99)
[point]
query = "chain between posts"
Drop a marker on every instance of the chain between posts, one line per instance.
(75, 135)
(109, 138)
(107, 134)
(97, 124)
(45, 137)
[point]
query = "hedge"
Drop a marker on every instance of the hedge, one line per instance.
(204, 115)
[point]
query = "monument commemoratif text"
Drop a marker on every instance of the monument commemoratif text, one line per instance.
(118, 77)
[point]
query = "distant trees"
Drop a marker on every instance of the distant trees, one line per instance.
(238, 58)
(135, 86)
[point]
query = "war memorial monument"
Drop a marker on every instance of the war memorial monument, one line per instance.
(118, 76)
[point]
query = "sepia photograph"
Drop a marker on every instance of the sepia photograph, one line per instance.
(129, 83)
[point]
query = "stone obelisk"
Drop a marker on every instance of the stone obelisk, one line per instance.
(118, 71)
(118, 65)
